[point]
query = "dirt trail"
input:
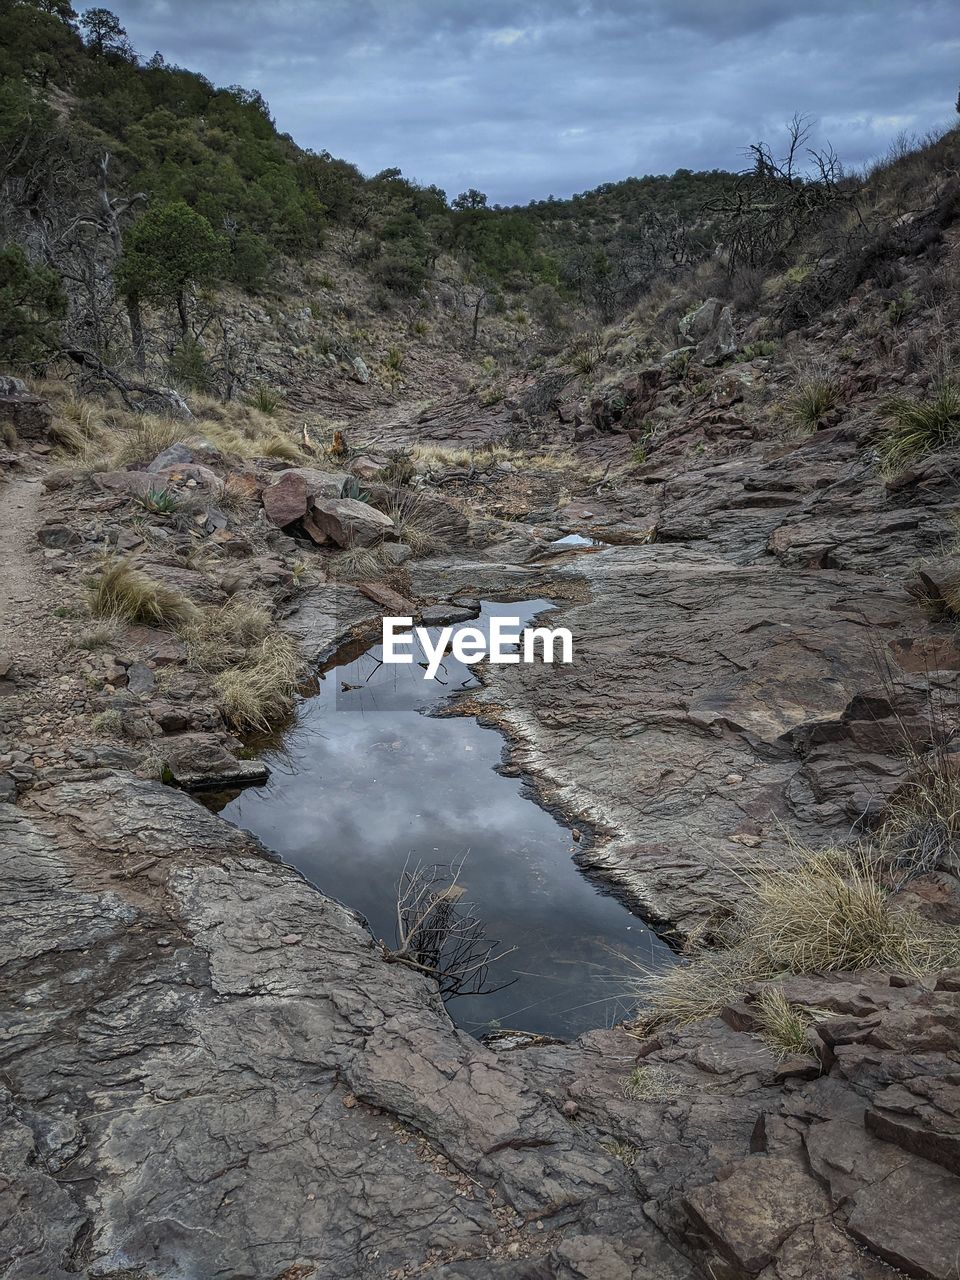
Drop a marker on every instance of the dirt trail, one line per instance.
(27, 625)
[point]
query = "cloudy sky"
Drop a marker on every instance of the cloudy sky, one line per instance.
(524, 98)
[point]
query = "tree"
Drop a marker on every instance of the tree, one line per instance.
(103, 30)
(31, 304)
(168, 250)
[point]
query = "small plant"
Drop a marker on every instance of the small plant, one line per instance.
(648, 1081)
(395, 359)
(8, 434)
(583, 361)
(108, 724)
(188, 365)
(265, 400)
(813, 401)
(919, 427)
(122, 591)
(782, 1025)
(639, 455)
(900, 308)
(260, 692)
(158, 502)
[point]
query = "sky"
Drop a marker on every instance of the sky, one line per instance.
(529, 98)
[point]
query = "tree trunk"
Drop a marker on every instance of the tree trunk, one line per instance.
(182, 313)
(136, 333)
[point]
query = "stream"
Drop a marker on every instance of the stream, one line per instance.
(371, 779)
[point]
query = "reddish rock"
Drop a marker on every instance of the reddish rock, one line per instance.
(286, 500)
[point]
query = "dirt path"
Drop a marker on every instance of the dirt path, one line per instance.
(27, 624)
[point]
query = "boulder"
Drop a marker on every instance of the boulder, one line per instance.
(287, 499)
(30, 416)
(710, 327)
(350, 523)
(360, 369)
(319, 484)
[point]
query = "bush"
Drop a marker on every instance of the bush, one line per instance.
(265, 399)
(918, 427)
(813, 401)
(825, 911)
(31, 304)
(188, 365)
(261, 690)
(123, 591)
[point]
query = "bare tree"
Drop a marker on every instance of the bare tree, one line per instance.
(438, 933)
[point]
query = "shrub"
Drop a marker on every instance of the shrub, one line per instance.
(918, 427)
(261, 690)
(123, 591)
(265, 399)
(824, 911)
(783, 1025)
(188, 365)
(225, 635)
(813, 401)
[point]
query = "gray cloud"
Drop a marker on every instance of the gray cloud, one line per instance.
(524, 98)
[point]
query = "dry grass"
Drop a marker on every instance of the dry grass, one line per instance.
(106, 633)
(920, 832)
(782, 1025)
(361, 564)
(261, 691)
(648, 1082)
(122, 591)
(827, 910)
(226, 634)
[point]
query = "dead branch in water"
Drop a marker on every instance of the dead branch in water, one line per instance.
(439, 934)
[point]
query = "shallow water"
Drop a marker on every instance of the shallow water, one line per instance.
(369, 779)
(577, 540)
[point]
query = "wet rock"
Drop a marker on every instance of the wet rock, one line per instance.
(199, 762)
(350, 523)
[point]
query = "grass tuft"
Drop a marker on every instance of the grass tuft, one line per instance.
(260, 691)
(920, 427)
(828, 910)
(123, 591)
(782, 1025)
(814, 399)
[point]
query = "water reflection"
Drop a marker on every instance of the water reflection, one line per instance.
(369, 778)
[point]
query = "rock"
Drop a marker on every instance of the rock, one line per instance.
(286, 500)
(360, 369)
(911, 1219)
(319, 484)
(365, 468)
(8, 789)
(175, 455)
(350, 523)
(396, 553)
(442, 615)
(30, 417)
(393, 604)
(140, 678)
(314, 532)
(751, 1209)
(711, 326)
(58, 535)
(199, 762)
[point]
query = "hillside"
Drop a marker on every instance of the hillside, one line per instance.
(252, 402)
